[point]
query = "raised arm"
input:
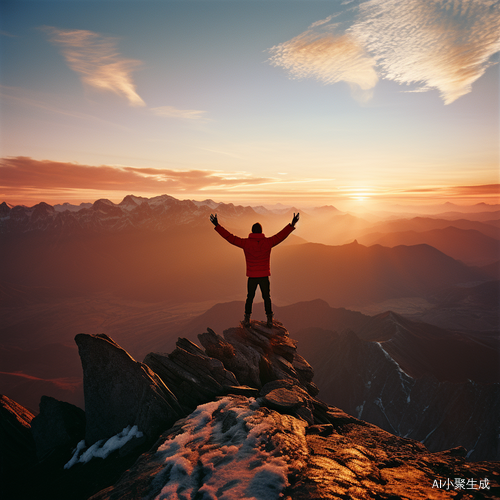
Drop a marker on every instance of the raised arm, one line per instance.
(231, 238)
(279, 237)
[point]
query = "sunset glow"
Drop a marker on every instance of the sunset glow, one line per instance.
(302, 103)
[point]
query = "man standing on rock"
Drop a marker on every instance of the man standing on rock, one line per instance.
(257, 250)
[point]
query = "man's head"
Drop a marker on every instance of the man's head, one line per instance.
(256, 228)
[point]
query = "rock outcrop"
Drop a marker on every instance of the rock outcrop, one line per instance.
(194, 377)
(283, 443)
(237, 447)
(59, 425)
(121, 392)
(17, 447)
(230, 448)
(258, 354)
(239, 419)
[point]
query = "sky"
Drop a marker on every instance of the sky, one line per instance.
(300, 102)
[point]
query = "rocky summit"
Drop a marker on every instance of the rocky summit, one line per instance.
(120, 391)
(238, 417)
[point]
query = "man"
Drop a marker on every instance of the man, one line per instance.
(257, 250)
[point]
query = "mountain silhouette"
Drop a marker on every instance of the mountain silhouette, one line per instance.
(354, 274)
(422, 224)
(170, 253)
(467, 245)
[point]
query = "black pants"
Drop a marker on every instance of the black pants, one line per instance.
(265, 289)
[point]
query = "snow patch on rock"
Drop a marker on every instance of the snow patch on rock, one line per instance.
(232, 447)
(103, 448)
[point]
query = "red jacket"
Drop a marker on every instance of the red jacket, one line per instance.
(257, 249)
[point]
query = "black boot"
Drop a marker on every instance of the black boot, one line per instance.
(246, 320)
(269, 320)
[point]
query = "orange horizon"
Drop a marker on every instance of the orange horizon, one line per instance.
(26, 181)
(302, 200)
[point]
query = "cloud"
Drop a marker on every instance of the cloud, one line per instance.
(98, 62)
(480, 190)
(437, 44)
(96, 58)
(441, 44)
(465, 191)
(171, 112)
(6, 33)
(326, 56)
(321, 22)
(25, 173)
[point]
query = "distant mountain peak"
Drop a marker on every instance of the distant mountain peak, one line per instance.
(104, 201)
(5, 208)
(131, 200)
(327, 210)
(206, 203)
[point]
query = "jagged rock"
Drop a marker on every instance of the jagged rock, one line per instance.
(120, 391)
(234, 448)
(59, 425)
(17, 447)
(193, 377)
(360, 460)
(306, 373)
(216, 347)
(285, 397)
(230, 448)
(321, 429)
(257, 355)
(242, 361)
(280, 443)
(241, 390)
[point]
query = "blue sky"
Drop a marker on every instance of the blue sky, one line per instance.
(250, 101)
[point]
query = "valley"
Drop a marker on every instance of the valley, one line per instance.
(147, 272)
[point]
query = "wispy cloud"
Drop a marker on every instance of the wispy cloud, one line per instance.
(172, 112)
(484, 191)
(444, 44)
(327, 56)
(97, 60)
(437, 44)
(18, 173)
(6, 33)
(27, 180)
(322, 21)
(480, 190)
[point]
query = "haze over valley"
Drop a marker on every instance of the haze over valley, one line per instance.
(146, 271)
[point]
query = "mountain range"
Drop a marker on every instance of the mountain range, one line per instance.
(467, 245)
(166, 249)
(398, 316)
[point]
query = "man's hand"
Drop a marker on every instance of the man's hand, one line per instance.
(295, 219)
(213, 219)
